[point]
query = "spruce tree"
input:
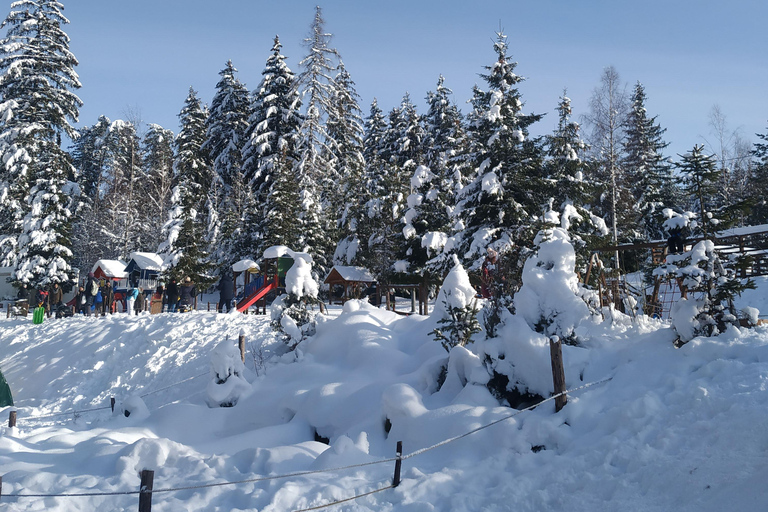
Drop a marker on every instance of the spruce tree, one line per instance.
(37, 78)
(648, 172)
(701, 181)
(436, 183)
(185, 249)
(345, 132)
(569, 187)
(501, 201)
(270, 150)
(316, 172)
(225, 136)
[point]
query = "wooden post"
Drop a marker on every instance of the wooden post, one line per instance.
(558, 371)
(112, 403)
(241, 344)
(398, 462)
(413, 300)
(12, 419)
(145, 496)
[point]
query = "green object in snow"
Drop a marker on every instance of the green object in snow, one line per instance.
(38, 316)
(6, 399)
(283, 264)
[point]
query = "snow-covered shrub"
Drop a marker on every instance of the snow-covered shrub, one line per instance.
(710, 284)
(292, 314)
(228, 384)
(551, 300)
(456, 309)
(134, 407)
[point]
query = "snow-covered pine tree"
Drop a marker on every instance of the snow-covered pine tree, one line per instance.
(316, 173)
(498, 205)
(89, 157)
(272, 137)
(225, 136)
(648, 172)
(157, 150)
(435, 185)
(37, 77)
(185, 249)
(701, 181)
(345, 132)
(569, 187)
(364, 213)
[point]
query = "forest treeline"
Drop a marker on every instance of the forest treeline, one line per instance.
(295, 161)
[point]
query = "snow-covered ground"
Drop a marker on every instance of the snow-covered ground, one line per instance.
(674, 429)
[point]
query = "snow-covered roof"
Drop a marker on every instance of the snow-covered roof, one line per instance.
(147, 260)
(243, 265)
(353, 274)
(111, 268)
(281, 251)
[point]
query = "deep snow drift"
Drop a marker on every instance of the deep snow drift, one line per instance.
(675, 429)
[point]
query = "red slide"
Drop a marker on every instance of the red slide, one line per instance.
(252, 294)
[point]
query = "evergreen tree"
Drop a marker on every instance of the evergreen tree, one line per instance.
(648, 173)
(436, 183)
(345, 132)
(225, 136)
(364, 212)
(701, 182)
(185, 249)
(316, 172)
(569, 188)
(500, 202)
(37, 77)
(89, 157)
(272, 137)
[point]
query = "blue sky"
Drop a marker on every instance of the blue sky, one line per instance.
(143, 55)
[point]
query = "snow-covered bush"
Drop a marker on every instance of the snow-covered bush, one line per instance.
(551, 300)
(228, 384)
(710, 284)
(134, 407)
(292, 314)
(456, 309)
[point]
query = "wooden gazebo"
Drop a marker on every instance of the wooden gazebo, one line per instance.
(353, 280)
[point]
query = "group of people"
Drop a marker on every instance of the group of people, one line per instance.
(97, 297)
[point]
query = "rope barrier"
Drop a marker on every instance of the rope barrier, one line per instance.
(54, 415)
(478, 429)
(345, 500)
(330, 470)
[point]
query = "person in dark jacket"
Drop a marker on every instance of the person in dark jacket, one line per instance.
(108, 297)
(226, 291)
(138, 304)
(187, 294)
(172, 296)
(91, 290)
(55, 298)
(81, 300)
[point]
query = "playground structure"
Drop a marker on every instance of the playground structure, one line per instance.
(257, 285)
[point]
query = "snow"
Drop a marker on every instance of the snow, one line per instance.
(146, 260)
(244, 265)
(674, 429)
(354, 274)
(111, 268)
